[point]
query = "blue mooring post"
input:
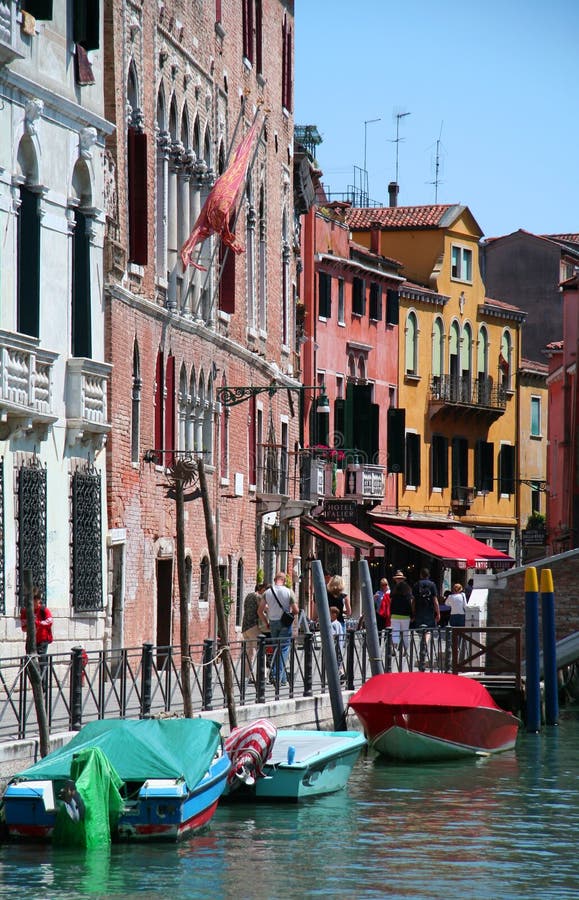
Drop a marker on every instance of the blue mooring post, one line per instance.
(533, 689)
(549, 648)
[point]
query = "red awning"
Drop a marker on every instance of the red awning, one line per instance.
(454, 548)
(343, 545)
(352, 531)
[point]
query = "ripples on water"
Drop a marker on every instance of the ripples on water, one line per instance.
(504, 827)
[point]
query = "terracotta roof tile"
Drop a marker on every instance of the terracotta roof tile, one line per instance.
(570, 238)
(395, 217)
(500, 304)
(555, 345)
(533, 366)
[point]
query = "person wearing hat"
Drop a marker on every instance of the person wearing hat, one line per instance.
(400, 607)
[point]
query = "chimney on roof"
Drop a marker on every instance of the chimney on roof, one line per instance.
(375, 236)
(393, 193)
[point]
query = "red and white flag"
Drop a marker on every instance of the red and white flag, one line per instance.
(217, 209)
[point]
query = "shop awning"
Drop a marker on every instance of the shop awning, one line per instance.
(452, 547)
(350, 531)
(332, 538)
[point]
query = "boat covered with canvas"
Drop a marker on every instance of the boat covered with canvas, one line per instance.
(121, 780)
(430, 715)
(289, 764)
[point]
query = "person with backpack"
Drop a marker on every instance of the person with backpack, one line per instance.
(382, 605)
(425, 608)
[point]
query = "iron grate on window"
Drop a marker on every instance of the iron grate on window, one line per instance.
(32, 525)
(87, 579)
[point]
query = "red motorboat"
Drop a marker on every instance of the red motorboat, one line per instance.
(431, 715)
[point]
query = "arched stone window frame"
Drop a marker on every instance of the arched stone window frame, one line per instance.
(411, 344)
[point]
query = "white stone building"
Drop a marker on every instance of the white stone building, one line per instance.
(53, 377)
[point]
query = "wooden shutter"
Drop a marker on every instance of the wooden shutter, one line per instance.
(392, 307)
(159, 392)
(170, 410)
(137, 176)
(396, 424)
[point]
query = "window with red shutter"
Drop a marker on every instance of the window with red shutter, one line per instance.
(137, 177)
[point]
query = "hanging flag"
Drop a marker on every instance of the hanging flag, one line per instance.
(503, 364)
(217, 209)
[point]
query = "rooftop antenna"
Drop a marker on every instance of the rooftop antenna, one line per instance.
(437, 180)
(365, 193)
(400, 115)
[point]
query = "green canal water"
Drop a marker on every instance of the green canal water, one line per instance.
(503, 827)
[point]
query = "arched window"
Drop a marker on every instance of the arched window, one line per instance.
(454, 360)
(224, 436)
(136, 174)
(199, 419)
(483, 353)
(351, 366)
(183, 408)
(482, 368)
(169, 409)
(361, 368)
(204, 581)
(28, 242)
(239, 594)
(285, 280)
(159, 394)
(209, 413)
(262, 277)
(411, 346)
(161, 193)
(505, 360)
(466, 363)
(172, 207)
(136, 405)
(438, 348)
(250, 220)
(81, 337)
(191, 412)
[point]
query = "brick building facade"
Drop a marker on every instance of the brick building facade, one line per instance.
(184, 82)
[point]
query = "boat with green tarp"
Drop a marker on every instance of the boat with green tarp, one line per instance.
(121, 780)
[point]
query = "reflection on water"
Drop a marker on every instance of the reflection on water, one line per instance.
(504, 827)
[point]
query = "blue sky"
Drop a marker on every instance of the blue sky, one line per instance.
(495, 82)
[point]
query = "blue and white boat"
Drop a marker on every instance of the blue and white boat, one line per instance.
(301, 764)
(138, 779)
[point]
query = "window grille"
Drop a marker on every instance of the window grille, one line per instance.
(87, 579)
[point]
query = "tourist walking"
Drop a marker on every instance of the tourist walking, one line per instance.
(277, 609)
(458, 603)
(425, 608)
(250, 622)
(400, 607)
(382, 605)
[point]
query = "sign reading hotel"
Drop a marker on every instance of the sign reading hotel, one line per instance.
(340, 510)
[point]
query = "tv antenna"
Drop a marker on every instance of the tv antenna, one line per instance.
(437, 165)
(400, 115)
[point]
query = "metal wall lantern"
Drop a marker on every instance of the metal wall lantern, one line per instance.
(291, 537)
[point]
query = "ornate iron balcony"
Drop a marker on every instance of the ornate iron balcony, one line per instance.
(461, 390)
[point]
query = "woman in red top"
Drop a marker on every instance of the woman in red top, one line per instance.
(43, 628)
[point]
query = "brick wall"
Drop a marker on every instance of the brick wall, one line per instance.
(506, 601)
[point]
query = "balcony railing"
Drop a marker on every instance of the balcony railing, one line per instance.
(86, 398)
(461, 390)
(11, 45)
(26, 398)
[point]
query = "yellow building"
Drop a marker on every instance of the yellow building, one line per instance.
(459, 354)
(532, 443)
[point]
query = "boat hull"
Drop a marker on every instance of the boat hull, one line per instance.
(418, 736)
(318, 763)
(165, 809)
(421, 716)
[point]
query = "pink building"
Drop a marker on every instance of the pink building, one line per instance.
(562, 470)
(349, 355)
